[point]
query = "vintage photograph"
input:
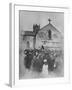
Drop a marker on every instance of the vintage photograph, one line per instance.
(41, 44)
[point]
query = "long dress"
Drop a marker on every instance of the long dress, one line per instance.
(45, 70)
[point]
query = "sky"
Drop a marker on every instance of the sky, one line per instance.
(28, 18)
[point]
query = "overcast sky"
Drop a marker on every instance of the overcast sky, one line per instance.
(28, 18)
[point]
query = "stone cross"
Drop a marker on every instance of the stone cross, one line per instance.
(49, 20)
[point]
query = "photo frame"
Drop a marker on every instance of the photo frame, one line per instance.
(36, 15)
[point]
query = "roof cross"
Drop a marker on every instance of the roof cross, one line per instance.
(49, 20)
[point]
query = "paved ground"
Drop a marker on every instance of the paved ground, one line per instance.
(44, 74)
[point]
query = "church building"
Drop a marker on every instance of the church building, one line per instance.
(48, 36)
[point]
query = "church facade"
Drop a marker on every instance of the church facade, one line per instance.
(47, 36)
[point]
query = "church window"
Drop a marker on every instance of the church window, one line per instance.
(49, 34)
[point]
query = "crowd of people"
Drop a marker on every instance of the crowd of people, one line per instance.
(37, 58)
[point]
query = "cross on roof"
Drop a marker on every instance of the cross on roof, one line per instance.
(49, 20)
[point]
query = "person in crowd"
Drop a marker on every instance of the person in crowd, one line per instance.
(28, 59)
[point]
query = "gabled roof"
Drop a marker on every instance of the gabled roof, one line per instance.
(49, 26)
(46, 27)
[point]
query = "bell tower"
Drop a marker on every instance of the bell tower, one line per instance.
(36, 28)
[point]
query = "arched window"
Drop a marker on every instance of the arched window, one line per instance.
(28, 45)
(49, 34)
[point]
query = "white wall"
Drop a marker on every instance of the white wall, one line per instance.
(4, 42)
